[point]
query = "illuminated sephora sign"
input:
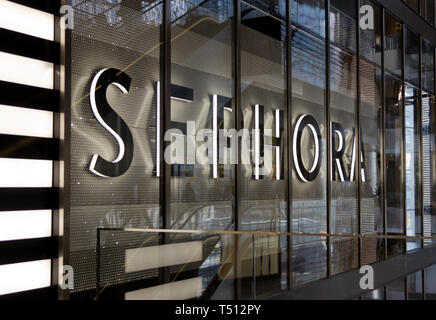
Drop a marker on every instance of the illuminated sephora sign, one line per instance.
(218, 146)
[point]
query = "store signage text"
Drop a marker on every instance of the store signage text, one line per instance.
(219, 146)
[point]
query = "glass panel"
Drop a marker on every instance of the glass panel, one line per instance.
(414, 286)
(309, 15)
(432, 100)
(371, 39)
(393, 46)
(343, 23)
(428, 158)
(412, 58)
(396, 290)
(428, 69)
(343, 210)
(427, 10)
(124, 36)
(430, 283)
(309, 198)
(263, 202)
(371, 189)
(412, 149)
(201, 107)
(394, 163)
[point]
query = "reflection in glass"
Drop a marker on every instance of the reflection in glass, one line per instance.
(428, 165)
(201, 70)
(371, 39)
(343, 205)
(396, 290)
(394, 163)
(309, 15)
(371, 188)
(414, 286)
(428, 10)
(201, 62)
(343, 23)
(412, 149)
(309, 205)
(428, 67)
(393, 45)
(263, 203)
(124, 36)
(412, 58)
(430, 283)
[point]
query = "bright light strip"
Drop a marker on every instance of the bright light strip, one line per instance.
(353, 160)
(180, 99)
(178, 290)
(278, 169)
(17, 225)
(26, 20)
(26, 71)
(25, 276)
(97, 115)
(215, 136)
(316, 142)
(25, 173)
(158, 129)
(362, 170)
(256, 142)
(26, 122)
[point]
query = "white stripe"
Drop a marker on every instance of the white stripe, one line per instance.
(16, 225)
(26, 71)
(24, 276)
(26, 20)
(26, 122)
(163, 256)
(179, 290)
(25, 173)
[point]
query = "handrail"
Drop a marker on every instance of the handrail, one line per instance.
(277, 233)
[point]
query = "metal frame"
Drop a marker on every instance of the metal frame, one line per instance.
(358, 165)
(328, 133)
(403, 129)
(385, 216)
(238, 118)
(288, 135)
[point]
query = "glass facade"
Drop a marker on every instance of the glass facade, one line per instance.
(237, 148)
(321, 92)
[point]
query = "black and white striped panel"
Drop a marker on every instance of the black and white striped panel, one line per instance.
(29, 147)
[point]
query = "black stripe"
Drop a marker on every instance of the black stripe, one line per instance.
(28, 250)
(49, 293)
(50, 6)
(28, 147)
(28, 198)
(19, 95)
(28, 46)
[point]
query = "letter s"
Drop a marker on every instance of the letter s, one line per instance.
(112, 122)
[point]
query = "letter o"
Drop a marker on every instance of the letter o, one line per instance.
(304, 121)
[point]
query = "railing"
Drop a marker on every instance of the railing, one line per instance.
(148, 264)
